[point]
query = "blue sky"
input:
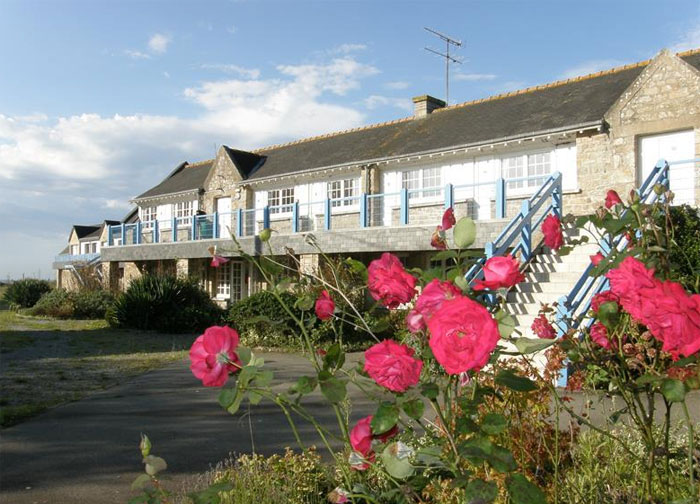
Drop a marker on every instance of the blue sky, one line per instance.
(100, 100)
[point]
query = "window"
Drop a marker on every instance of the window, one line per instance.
(74, 249)
(223, 281)
(148, 215)
(538, 164)
(339, 189)
(424, 182)
(237, 281)
(280, 200)
(513, 167)
(183, 211)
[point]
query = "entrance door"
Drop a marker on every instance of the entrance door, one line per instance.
(676, 146)
(223, 209)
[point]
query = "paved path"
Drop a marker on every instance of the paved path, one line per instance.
(87, 451)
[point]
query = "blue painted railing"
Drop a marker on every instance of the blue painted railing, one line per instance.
(348, 212)
(516, 236)
(572, 308)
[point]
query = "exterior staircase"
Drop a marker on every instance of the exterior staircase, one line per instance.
(548, 277)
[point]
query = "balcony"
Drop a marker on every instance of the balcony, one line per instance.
(408, 207)
(74, 259)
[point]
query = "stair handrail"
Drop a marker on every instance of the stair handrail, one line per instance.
(572, 307)
(521, 226)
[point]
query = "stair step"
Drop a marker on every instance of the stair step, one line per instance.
(535, 297)
(523, 308)
(556, 276)
(548, 287)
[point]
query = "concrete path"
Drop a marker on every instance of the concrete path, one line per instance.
(87, 451)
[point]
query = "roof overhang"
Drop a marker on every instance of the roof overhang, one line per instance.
(175, 195)
(598, 125)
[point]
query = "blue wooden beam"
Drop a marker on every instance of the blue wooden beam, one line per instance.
(404, 206)
(449, 196)
(500, 198)
(327, 214)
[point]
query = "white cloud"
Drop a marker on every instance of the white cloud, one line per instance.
(137, 55)
(348, 48)
(473, 77)
(232, 29)
(397, 85)
(166, 75)
(158, 43)
(248, 73)
(375, 101)
(90, 165)
(688, 40)
(589, 67)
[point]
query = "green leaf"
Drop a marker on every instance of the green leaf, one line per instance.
(244, 355)
(532, 345)
(466, 425)
(476, 448)
(236, 404)
(211, 495)
(227, 396)
(264, 378)
(414, 408)
(333, 389)
(493, 423)
(461, 282)
(521, 491)
(357, 267)
(582, 220)
(397, 466)
(429, 455)
(444, 254)
(154, 465)
(305, 303)
(304, 385)
(479, 491)
(506, 324)
(464, 232)
(334, 358)
(386, 416)
(254, 397)
(141, 481)
(673, 390)
(648, 378)
(430, 390)
(501, 459)
(609, 314)
(514, 382)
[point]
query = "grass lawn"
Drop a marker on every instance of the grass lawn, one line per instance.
(46, 362)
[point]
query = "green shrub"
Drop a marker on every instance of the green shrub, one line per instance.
(165, 303)
(262, 321)
(85, 304)
(56, 303)
(685, 254)
(26, 292)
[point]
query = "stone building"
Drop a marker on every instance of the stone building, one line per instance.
(384, 187)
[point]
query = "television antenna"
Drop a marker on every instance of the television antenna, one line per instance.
(449, 41)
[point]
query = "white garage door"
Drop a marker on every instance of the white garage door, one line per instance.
(677, 146)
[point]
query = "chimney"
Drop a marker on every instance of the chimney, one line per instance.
(424, 105)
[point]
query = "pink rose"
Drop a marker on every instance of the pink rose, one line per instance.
(217, 261)
(392, 365)
(673, 317)
(542, 328)
(603, 297)
(612, 199)
(500, 272)
(324, 306)
(599, 334)
(595, 259)
(448, 219)
(389, 283)
(429, 300)
(361, 438)
(551, 228)
(213, 355)
(631, 281)
(437, 239)
(463, 335)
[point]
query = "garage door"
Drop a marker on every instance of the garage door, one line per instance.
(676, 146)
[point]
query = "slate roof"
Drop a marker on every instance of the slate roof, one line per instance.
(86, 233)
(186, 177)
(556, 106)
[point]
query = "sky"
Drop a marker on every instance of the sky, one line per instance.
(99, 100)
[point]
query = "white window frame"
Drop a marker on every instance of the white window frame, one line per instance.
(230, 281)
(418, 178)
(343, 193)
(183, 212)
(147, 215)
(281, 201)
(223, 281)
(527, 164)
(75, 249)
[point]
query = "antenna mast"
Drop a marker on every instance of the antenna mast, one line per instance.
(448, 59)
